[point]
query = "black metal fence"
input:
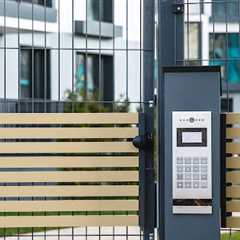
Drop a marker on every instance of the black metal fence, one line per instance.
(76, 56)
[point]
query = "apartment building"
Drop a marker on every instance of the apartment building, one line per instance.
(212, 38)
(50, 48)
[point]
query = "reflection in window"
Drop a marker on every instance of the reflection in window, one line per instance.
(225, 52)
(100, 10)
(192, 43)
(33, 84)
(92, 80)
(225, 8)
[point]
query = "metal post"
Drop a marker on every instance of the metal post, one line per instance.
(170, 50)
(148, 95)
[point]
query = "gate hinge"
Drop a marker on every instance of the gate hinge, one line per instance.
(143, 142)
(178, 8)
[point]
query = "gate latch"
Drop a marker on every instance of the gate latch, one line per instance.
(143, 141)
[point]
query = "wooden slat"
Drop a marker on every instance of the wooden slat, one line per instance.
(233, 148)
(70, 191)
(232, 133)
(69, 118)
(233, 222)
(233, 118)
(67, 147)
(68, 162)
(233, 192)
(233, 206)
(69, 206)
(66, 133)
(70, 176)
(67, 221)
(233, 177)
(233, 162)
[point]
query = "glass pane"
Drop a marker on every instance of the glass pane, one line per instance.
(80, 75)
(26, 74)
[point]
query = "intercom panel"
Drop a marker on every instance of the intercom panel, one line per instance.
(192, 162)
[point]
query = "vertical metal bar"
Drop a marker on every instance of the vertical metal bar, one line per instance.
(5, 54)
(170, 27)
(73, 52)
(45, 56)
(226, 61)
(100, 87)
(223, 170)
(114, 51)
(127, 97)
(148, 96)
(33, 62)
(18, 48)
(59, 55)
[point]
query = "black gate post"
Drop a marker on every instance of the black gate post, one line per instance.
(148, 218)
(170, 51)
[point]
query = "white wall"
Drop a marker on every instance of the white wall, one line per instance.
(132, 74)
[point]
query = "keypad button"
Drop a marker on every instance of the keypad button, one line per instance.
(188, 168)
(188, 184)
(187, 160)
(204, 169)
(179, 184)
(179, 176)
(196, 160)
(204, 177)
(179, 160)
(188, 176)
(196, 177)
(179, 169)
(204, 160)
(195, 168)
(196, 184)
(204, 185)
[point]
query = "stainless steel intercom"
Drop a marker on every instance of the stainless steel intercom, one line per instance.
(192, 162)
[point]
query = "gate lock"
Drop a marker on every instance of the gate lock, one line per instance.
(143, 141)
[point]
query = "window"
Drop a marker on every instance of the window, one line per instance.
(32, 84)
(39, 2)
(192, 43)
(225, 51)
(88, 82)
(100, 10)
(225, 8)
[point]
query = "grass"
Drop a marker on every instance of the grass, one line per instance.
(233, 236)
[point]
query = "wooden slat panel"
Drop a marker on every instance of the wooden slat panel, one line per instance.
(233, 192)
(233, 148)
(68, 162)
(69, 118)
(70, 176)
(232, 133)
(67, 147)
(70, 191)
(67, 221)
(233, 206)
(66, 133)
(69, 206)
(233, 162)
(233, 177)
(233, 222)
(233, 118)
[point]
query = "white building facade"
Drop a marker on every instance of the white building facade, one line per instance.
(212, 38)
(49, 48)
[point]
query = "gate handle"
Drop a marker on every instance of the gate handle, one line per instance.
(142, 141)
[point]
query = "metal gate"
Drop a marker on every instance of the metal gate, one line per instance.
(69, 102)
